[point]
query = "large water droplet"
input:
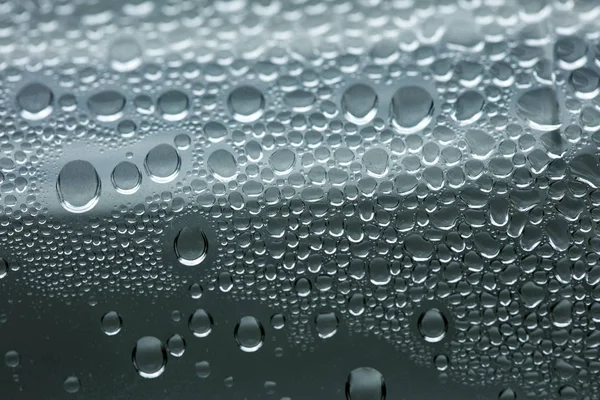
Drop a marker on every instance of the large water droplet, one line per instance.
(162, 163)
(191, 246)
(149, 357)
(412, 109)
(249, 334)
(433, 325)
(246, 103)
(35, 101)
(365, 383)
(78, 186)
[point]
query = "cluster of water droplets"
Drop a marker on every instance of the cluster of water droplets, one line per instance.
(394, 168)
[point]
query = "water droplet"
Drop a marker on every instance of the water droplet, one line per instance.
(125, 55)
(359, 104)
(107, 106)
(468, 108)
(149, 357)
(202, 369)
(278, 321)
(412, 109)
(176, 345)
(507, 394)
(282, 161)
(299, 100)
(78, 186)
(480, 143)
(326, 324)
(222, 164)
(173, 105)
(560, 313)
(246, 104)
(365, 383)
(35, 101)
(215, 131)
(126, 177)
(111, 323)
(191, 246)
(196, 291)
(3, 268)
(433, 325)
(586, 83)
(12, 359)
(72, 384)
(249, 334)
(441, 362)
(376, 162)
(539, 108)
(162, 163)
(200, 323)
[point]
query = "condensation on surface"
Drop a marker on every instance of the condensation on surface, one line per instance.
(424, 174)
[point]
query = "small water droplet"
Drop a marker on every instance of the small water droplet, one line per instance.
(72, 384)
(111, 323)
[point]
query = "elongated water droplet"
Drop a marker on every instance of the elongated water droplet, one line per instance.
(78, 186)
